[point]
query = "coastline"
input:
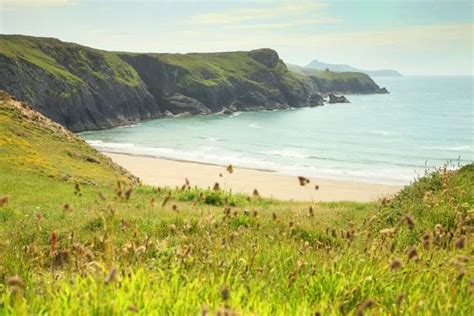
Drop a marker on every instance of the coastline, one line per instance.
(270, 184)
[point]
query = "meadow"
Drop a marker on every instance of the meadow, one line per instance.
(84, 237)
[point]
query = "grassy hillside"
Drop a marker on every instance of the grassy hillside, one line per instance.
(329, 75)
(218, 68)
(49, 54)
(35, 145)
(84, 244)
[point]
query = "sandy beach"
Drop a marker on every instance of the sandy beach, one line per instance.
(163, 172)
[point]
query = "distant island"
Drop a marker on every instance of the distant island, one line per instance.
(319, 65)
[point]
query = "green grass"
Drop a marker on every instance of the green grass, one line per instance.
(330, 75)
(69, 62)
(180, 251)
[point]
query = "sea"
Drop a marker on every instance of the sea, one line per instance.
(423, 124)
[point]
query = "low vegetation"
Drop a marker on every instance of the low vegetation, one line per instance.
(78, 235)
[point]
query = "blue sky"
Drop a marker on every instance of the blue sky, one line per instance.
(414, 37)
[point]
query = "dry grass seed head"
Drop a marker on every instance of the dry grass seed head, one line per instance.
(459, 244)
(395, 264)
(412, 254)
(410, 222)
(255, 193)
(3, 200)
(364, 306)
(303, 181)
(15, 281)
(225, 293)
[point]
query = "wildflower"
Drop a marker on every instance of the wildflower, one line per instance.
(395, 264)
(255, 193)
(316, 187)
(303, 181)
(274, 216)
(67, 207)
(230, 169)
(175, 208)
(3, 200)
(311, 211)
(216, 186)
(460, 242)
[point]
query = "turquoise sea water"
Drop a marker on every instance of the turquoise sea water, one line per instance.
(424, 122)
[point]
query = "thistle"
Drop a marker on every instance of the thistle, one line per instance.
(230, 169)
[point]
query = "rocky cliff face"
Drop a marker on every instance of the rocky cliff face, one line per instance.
(78, 87)
(85, 89)
(210, 83)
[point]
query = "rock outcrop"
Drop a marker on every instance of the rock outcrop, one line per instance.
(337, 99)
(85, 89)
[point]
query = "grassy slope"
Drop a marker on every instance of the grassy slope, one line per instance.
(275, 258)
(330, 75)
(212, 69)
(47, 53)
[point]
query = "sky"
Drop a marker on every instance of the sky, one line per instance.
(415, 37)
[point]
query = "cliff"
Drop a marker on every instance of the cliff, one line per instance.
(214, 82)
(84, 88)
(76, 86)
(339, 82)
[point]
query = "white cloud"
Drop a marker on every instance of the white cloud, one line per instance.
(289, 14)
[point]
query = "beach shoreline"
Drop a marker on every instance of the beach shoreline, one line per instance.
(270, 184)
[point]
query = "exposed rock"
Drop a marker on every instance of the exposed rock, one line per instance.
(266, 56)
(179, 103)
(383, 91)
(337, 99)
(316, 100)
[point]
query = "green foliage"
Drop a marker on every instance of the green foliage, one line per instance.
(67, 61)
(441, 197)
